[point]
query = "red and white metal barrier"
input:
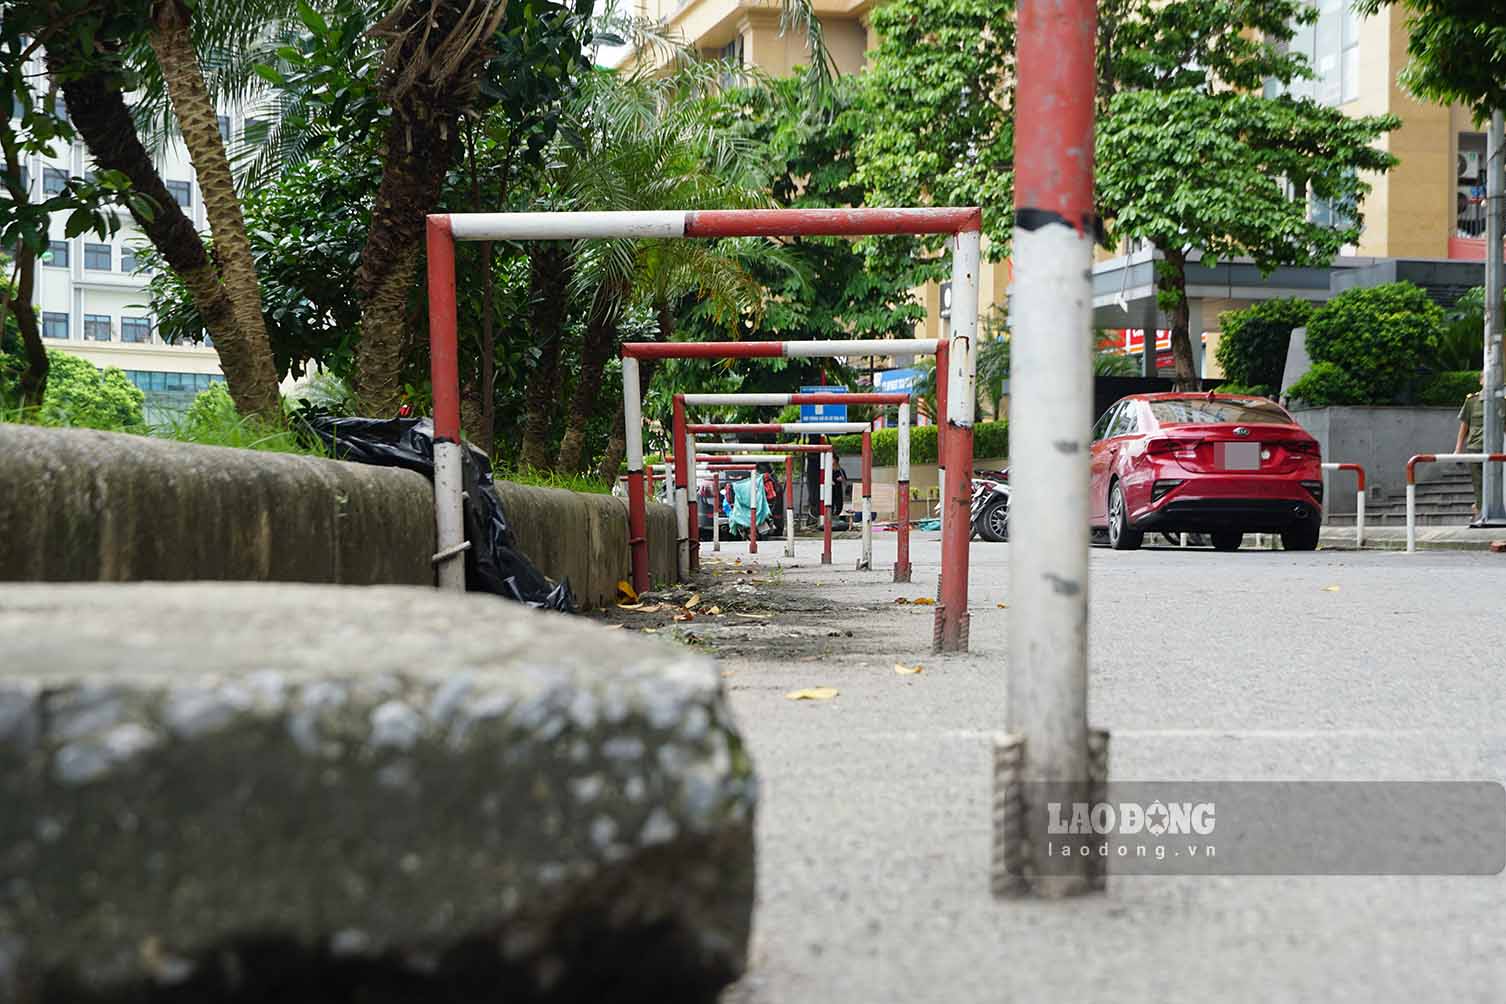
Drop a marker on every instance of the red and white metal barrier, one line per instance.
(1359, 498)
(963, 223)
(1439, 458)
(865, 562)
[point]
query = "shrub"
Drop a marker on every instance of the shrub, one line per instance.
(1375, 339)
(211, 420)
(1327, 384)
(1449, 388)
(1239, 388)
(1252, 348)
(990, 439)
(80, 395)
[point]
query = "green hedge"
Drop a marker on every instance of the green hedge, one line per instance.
(1450, 388)
(1367, 345)
(990, 439)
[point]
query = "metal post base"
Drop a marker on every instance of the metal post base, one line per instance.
(1015, 868)
(902, 573)
(947, 636)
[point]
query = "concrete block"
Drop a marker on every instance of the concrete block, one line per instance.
(251, 792)
(79, 505)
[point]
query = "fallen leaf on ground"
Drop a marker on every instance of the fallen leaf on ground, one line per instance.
(630, 606)
(901, 600)
(684, 615)
(756, 617)
(904, 670)
(1002, 606)
(615, 627)
(813, 694)
(923, 601)
(1330, 589)
(695, 599)
(713, 610)
(728, 672)
(650, 631)
(626, 589)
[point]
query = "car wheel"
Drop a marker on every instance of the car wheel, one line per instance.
(1227, 540)
(993, 522)
(1301, 536)
(1121, 536)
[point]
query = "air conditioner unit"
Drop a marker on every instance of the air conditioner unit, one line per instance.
(1469, 165)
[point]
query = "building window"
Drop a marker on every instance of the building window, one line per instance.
(224, 121)
(1469, 191)
(255, 130)
(128, 260)
(57, 254)
(135, 329)
(54, 325)
(54, 180)
(1332, 49)
(97, 257)
(96, 327)
(182, 192)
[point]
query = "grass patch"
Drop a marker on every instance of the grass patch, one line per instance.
(553, 479)
(213, 421)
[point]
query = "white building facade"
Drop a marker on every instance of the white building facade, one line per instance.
(91, 299)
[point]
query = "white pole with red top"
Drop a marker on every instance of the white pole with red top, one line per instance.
(789, 507)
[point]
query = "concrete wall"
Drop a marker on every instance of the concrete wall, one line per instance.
(83, 506)
(86, 506)
(1382, 439)
(585, 538)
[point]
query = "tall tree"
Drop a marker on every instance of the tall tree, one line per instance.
(1179, 83)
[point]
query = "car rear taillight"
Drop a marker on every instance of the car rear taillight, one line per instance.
(1160, 488)
(1315, 489)
(1163, 446)
(1307, 446)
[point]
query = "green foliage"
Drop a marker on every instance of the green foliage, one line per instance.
(555, 479)
(1240, 388)
(81, 396)
(1368, 344)
(1190, 170)
(1461, 343)
(1457, 48)
(1252, 349)
(1448, 388)
(990, 440)
(211, 420)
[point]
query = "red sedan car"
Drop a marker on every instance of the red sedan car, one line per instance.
(1219, 464)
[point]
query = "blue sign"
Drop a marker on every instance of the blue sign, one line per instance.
(823, 412)
(896, 381)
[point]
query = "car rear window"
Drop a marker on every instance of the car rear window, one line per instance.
(1201, 411)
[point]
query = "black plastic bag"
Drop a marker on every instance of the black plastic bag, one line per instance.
(493, 563)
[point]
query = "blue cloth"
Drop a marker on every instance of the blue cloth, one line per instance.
(741, 490)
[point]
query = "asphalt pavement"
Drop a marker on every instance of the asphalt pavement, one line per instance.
(874, 825)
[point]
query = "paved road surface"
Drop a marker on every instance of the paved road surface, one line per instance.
(874, 828)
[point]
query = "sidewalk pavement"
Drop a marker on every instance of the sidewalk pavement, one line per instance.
(1429, 538)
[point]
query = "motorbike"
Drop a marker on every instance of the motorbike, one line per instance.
(990, 506)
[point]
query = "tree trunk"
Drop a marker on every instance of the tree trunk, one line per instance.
(199, 126)
(99, 113)
(420, 142)
(611, 461)
(1174, 284)
(600, 340)
(549, 286)
(33, 382)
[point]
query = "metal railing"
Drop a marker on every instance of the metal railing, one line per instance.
(1438, 458)
(1359, 498)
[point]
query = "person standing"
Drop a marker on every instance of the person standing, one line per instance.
(1471, 438)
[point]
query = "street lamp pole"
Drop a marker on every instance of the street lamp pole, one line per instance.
(1493, 508)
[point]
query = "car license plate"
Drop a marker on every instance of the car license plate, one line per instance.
(1239, 456)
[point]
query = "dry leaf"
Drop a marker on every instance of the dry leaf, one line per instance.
(1002, 606)
(626, 589)
(630, 606)
(901, 600)
(684, 615)
(904, 670)
(693, 602)
(651, 608)
(713, 610)
(813, 694)
(650, 631)
(615, 627)
(1330, 589)
(755, 617)
(728, 672)
(923, 601)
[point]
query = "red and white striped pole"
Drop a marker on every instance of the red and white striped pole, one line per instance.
(1431, 458)
(826, 477)
(866, 561)
(681, 492)
(444, 377)
(632, 406)
(952, 619)
(716, 511)
(1050, 419)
